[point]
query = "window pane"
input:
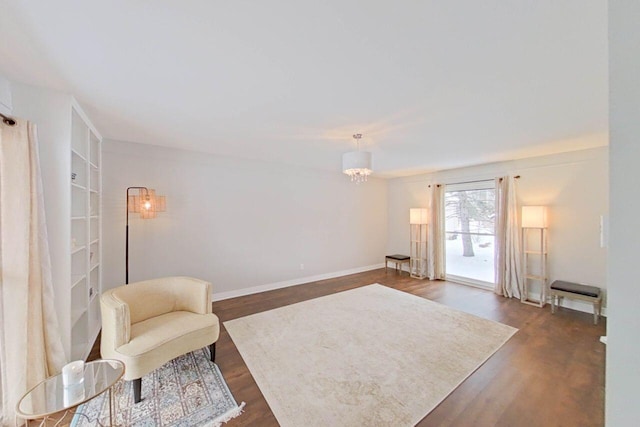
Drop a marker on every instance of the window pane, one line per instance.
(469, 233)
(476, 207)
(476, 267)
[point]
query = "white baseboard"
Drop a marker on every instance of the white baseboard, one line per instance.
(293, 282)
(577, 305)
(572, 304)
(566, 303)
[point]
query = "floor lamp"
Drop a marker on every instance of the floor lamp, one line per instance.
(418, 256)
(534, 221)
(147, 204)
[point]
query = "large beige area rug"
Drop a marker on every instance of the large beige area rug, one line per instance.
(371, 356)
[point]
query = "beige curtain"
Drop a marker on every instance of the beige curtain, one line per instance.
(30, 344)
(508, 269)
(436, 233)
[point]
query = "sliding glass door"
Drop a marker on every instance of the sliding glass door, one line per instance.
(470, 232)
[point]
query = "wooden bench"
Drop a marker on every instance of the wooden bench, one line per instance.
(398, 260)
(560, 289)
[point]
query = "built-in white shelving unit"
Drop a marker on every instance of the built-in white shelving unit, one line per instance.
(69, 143)
(86, 242)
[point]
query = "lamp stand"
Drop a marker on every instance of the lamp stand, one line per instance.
(418, 255)
(126, 246)
(535, 266)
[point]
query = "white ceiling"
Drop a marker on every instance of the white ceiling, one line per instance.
(430, 84)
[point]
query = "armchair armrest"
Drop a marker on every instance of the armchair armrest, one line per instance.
(116, 322)
(192, 295)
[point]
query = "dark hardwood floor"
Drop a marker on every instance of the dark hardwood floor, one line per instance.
(550, 373)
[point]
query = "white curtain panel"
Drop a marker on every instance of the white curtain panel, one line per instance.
(435, 250)
(30, 344)
(508, 266)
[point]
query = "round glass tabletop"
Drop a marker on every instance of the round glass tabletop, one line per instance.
(51, 396)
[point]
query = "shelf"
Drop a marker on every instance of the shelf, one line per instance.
(85, 277)
(73, 151)
(78, 249)
(76, 279)
(76, 315)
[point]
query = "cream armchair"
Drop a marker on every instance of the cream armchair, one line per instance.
(146, 324)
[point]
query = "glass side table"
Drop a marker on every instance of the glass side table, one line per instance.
(50, 397)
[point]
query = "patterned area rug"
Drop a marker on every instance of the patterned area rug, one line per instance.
(188, 391)
(371, 356)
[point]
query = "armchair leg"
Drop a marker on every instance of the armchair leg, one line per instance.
(212, 350)
(137, 389)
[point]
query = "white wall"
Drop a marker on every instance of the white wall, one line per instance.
(6, 104)
(237, 223)
(573, 185)
(623, 327)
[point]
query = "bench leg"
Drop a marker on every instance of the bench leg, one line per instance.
(553, 304)
(596, 312)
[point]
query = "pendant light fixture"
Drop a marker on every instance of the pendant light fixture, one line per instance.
(357, 164)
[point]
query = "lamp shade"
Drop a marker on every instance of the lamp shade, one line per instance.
(147, 204)
(417, 216)
(357, 160)
(534, 217)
